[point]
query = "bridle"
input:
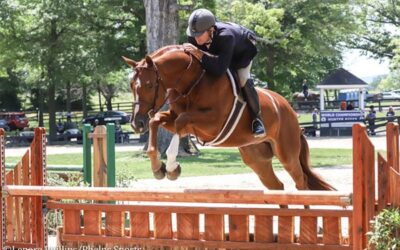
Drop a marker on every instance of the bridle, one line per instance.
(159, 82)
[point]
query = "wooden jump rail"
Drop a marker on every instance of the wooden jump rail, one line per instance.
(235, 219)
(184, 195)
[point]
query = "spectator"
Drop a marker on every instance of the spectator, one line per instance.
(315, 121)
(390, 115)
(343, 105)
(371, 116)
(60, 126)
(350, 106)
(305, 89)
(118, 132)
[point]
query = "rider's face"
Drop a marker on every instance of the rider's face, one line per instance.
(203, 38)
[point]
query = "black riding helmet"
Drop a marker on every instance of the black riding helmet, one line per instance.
(199, 21)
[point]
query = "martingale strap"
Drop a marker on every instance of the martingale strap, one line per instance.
(233, 118)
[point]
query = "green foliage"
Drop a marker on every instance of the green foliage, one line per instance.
(386, 230)
(54, 44)
(187, 6)
(391, 82)
(376, 83)
(9, 89)
(303, 39)
(396, 58)
(78, 41)
(379, 19)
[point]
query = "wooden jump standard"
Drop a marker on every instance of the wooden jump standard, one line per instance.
(234, 219)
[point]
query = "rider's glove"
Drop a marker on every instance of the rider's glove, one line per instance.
(190, 48)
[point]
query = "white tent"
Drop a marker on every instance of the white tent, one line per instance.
(342, 79)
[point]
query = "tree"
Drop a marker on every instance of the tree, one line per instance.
(113, 83)
(162, 29)
(379, 36)
(62, 44)
(9, 89)
(380, 20)
(302, 39)
(161, 23)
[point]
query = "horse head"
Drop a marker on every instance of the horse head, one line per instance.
(151, 78)
(147, 89)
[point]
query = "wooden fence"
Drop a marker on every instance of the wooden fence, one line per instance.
(229, 219)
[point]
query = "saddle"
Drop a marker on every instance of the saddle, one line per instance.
(238, 106)
(236, 80)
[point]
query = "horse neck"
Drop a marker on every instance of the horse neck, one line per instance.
(179, 70)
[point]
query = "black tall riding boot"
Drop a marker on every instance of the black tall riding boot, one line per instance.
(251, 97)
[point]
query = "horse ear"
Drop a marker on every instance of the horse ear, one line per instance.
(130, 62)
(149, 61)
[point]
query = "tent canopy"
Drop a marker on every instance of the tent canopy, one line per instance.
(342, 79)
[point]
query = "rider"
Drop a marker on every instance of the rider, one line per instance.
(229, 45)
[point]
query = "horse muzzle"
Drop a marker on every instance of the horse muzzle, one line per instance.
(140, 123)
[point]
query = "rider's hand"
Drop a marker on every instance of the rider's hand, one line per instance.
(190, 48)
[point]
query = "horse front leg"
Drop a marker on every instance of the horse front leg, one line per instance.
(173, 167)
(167, 120)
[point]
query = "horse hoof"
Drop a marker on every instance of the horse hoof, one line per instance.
(174, 174)
(160, 173)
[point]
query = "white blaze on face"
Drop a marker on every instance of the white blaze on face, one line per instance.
(136, 108)
(172, 152)
(132, 76)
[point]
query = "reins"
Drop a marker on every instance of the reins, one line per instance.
(153, 110)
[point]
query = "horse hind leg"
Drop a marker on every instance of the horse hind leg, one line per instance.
(295, 171)
(288, 155)
(259, 158)
(296, 160)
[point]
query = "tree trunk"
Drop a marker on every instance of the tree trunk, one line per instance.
(52, 82)
(161, 23)
(68, 96)
(162, 29)
(84, 101)
(270, 67)
(99, 93)
(109, 103)
(51, 93)
(41, 107)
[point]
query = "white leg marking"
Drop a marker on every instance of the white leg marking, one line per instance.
(172, 152)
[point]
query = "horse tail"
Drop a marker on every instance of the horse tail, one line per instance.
(315, 182)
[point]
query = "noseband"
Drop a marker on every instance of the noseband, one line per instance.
(159, 82)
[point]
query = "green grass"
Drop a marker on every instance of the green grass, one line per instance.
(304, 117)
(136, 165)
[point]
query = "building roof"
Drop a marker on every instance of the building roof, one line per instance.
(343, 78)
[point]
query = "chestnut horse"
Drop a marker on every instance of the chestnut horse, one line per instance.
(199, 104)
